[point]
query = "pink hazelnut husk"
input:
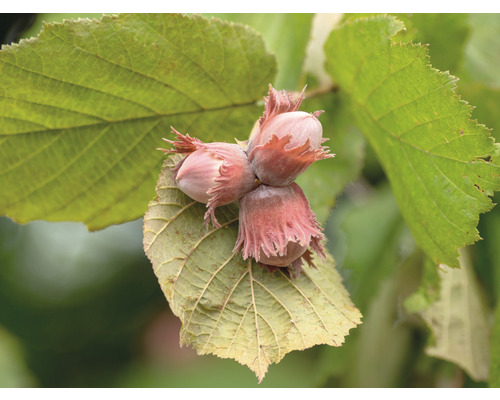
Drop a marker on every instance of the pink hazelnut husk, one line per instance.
(277, 227)
(212, 173)
(276, 102)
(286, 141)
(195, 181)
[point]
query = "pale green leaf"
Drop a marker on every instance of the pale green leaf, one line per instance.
(459, 321)
(84, 106)
(491, 250)
(495, 351)
(435, 157)
(234, 308)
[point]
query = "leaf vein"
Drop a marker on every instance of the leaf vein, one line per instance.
(192, 61)
(132, 71)
(222, 312)
(311, 305)
(79, 86)
(419, 97)
(59, 172)
(386, 77)
(106, 172)
(31, 154)
(285, 308)
(205, 288)
(168, 223)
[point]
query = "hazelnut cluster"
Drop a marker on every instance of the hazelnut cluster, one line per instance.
(276, 224)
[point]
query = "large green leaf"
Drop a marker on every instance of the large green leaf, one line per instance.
(234, 308)
(436, 159)
(84, 106)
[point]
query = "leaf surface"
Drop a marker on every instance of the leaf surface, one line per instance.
(459, 321)
(230, 307)
(84, 106)
(446, 34)
(436, 159)
(286, 35)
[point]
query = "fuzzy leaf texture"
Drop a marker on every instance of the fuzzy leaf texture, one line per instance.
(84, 106)
(234, 308)
(441, 165)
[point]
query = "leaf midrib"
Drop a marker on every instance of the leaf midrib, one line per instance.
(106, 121)
(127, 120)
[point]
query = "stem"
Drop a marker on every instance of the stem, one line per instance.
(320, 91)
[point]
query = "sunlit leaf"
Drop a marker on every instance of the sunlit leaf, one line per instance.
(234, 308)
(436, 158)
(84, 106)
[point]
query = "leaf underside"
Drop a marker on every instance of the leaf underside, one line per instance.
(84, 106)
(459, 321)
(231, 307)
(441, 165)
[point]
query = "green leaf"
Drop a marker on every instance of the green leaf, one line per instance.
(435, 157)
(445, 33)
(286, 35)
(234, 308)
(428, 290)
(487, 101)
(85, 105)
(459, 321)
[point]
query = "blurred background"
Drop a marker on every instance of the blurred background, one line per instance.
(81, 309)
